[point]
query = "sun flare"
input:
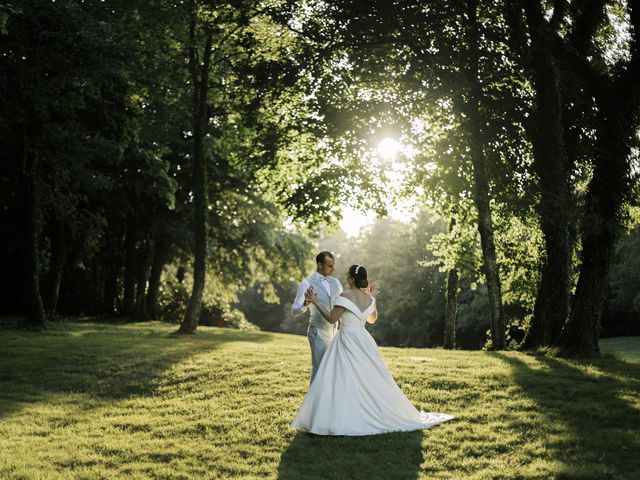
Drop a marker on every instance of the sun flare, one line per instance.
(388, 148)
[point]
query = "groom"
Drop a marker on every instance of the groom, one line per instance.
(327, 288)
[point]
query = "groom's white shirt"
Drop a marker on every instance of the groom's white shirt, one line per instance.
(320, 332)
(298, 307)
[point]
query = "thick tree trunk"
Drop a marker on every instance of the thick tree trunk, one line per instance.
(550, 163)
(582, 331)
(618, 104)
(129, 297)
(451, 310)
(607, 191)
(159, 260)
(200, 77)
(59, 253)
(481, 185)
(37, 315)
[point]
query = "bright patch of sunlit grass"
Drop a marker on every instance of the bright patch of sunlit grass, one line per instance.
(625, 348)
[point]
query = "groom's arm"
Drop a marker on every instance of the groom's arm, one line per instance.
(300, 304)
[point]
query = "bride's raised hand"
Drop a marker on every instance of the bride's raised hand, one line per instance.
(374, 288)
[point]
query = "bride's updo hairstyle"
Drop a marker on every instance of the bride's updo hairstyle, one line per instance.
(359, 275)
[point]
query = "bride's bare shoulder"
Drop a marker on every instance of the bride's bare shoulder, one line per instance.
(348, 294)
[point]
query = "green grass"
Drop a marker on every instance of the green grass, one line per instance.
(625, 348)
(91, 400)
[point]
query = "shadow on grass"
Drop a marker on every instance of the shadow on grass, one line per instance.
(101, 361)
(599, 429)
(389, 456)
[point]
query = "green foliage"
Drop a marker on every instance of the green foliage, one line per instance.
(273, 317)
(457, 247)
(624, 280)
(236, 319)
(411, 303)
(174, 296)
(398, 69)
(519, 247)
(472, 321)
(105, 101)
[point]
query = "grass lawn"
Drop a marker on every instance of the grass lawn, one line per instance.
(95, 400)
(624, 348)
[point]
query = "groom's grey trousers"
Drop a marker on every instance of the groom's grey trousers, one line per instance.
(319, 340)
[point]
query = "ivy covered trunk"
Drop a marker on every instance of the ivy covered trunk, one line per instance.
(603, 223)
(550, 164)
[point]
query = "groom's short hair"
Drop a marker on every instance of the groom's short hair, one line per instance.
(322, 257)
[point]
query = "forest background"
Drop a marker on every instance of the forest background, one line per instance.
(185, 161)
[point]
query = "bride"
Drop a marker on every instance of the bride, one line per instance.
(353, 393)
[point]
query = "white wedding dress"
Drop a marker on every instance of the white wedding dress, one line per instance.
(353, 393)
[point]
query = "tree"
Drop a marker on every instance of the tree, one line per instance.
(616, 90)
(480, 180)
(245, 88)
(113, 139)
(199, 66)
(574, 83)
(54, 87)
(451, 309)
(553, 171)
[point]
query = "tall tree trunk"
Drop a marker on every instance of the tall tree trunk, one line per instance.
(59, 253)
(481, 184)
(129, 298)
(97, 287)
(550, 163)
(451, 310)
(112, 271)
(159, 260)
(142, 269)
(37, 315)
(200, 81)
(451, 302)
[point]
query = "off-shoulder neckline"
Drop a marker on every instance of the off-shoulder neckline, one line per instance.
(354, 304)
